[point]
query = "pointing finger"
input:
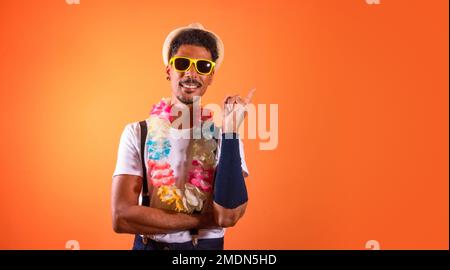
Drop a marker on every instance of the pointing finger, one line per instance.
(250, 95)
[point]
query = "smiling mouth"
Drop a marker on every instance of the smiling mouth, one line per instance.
(190, 87)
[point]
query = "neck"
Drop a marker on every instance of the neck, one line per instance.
(176, 101)
(178, 120)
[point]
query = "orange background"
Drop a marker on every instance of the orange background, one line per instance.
(363, 116)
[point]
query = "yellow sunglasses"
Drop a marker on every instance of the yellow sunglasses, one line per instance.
(202, 66)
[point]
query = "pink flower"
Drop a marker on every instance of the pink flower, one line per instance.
(162, 109)
(160, 173)
(200, 177)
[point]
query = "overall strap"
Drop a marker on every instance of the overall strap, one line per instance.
(145, 194)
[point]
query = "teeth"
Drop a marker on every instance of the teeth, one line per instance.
(190, 86)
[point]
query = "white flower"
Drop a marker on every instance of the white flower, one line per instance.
(193, 198)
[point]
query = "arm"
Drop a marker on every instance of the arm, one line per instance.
(230, 192)
(129, 217)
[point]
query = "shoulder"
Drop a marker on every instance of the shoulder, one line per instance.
(131, 129)
(131, 134)
(134, 126)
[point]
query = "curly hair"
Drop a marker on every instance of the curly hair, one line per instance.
(196, 37)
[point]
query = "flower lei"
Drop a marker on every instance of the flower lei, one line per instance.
(191, 197)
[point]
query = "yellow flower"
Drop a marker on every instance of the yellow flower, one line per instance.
(171, 194)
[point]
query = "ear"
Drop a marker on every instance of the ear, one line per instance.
(168, 70)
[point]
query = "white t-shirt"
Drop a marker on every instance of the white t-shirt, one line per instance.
(129, 162)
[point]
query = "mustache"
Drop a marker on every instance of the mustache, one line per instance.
(191, 80)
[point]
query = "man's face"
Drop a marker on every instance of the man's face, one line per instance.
(186, 85)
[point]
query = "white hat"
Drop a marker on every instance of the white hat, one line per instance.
(174, 33)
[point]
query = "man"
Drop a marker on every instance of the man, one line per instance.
(184, 209)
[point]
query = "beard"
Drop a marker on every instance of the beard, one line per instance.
(185, 100)
(188, 97)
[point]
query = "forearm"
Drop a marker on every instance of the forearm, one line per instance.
(146, 220)
(230, 191)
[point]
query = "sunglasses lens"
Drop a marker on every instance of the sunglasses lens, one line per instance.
(204, 66)
(181, 63)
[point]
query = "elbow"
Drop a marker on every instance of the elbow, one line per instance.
(117, 228)
(226, 221)
(226, 218)
(118, 221)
